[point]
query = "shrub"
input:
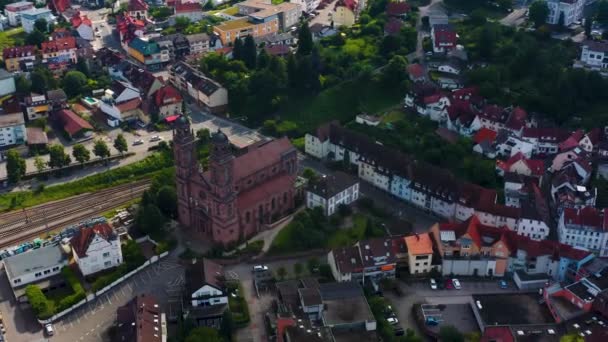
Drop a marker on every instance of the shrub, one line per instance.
(41, 305)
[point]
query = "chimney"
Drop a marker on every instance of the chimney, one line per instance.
(417, 237)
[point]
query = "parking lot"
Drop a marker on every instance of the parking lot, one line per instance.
(91, 321)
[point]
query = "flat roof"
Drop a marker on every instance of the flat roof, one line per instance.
(512, 309)
(235, 24)
(346, 311)
(15, 119)
(37, 259)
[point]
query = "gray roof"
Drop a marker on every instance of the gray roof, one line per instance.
(332, 291)
(37, 259)
(199, 37)
(5, 74)
(331, 185)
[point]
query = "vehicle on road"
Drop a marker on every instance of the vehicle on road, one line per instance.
(503, 284)
(433, 284)
(456, 284)
(449, 284)
(138, 142)
(260, 268)
(156, 138)
(48, 329)
(392, 320)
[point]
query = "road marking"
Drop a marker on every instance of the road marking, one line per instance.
(108, 298)
(123, 291)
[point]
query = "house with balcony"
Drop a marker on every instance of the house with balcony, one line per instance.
(36, 106)
(19, 58)
(201, 89)
(585, 228)
(205, 284)
(30, 16)
(229, 31)
(546, 140)
(121, 103)
(594, 55)
(58, 54)
(420, 253)
(198, 43)
(148, 53)
(96, 249)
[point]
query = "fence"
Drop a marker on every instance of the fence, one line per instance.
(92, 296)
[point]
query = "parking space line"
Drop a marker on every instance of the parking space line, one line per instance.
(108, 298)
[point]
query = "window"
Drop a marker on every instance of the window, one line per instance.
(247, 217)
(17, 281)
(47, 271)
(56, 268)
(106, 254)
(38, 274)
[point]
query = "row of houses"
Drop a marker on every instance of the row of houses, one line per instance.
(57, 54)
(425, 186)
(469, 248)
(24, 13)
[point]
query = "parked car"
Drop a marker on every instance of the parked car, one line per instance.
(260, 268)
(503, 284)
(448, 284)
(392, 320)
(138, 142)
(433, 284)
(456, 284)
(156, 138)
(48, 329)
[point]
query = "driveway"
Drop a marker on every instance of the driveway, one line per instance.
(90, 321)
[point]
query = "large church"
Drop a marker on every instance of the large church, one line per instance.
(239, 194)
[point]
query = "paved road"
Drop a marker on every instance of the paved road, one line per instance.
(90, 322)
(515, 18)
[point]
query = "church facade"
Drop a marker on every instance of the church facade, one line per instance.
(237, 196)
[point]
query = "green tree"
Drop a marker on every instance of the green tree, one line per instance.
(74, 83)
(80, 153)
(35, 38)
(298, 269)
(181, 23)
(203, 334)
(166, 199)
(100, 149)
(23, 85)
(312, 264)
(15, 166)
(281, 272)
(227, 326)
(249, 52)
(449, 333)
(572, 338)
(57, 156)
(41, 25)
(39, 82)
(149, 219)
(83, 67)
(487, 40)
(41, 305)
(237, 50)
(538, 12)
(588, 25)
(602, 12)
(478, 17)
(39, 163)
(263, 59)
(396, 71)
(304, 40)
(120, 144)
(292, 70)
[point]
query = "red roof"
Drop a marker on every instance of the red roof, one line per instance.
(172, 118)
(83, 238)
(59, 44)
(277, 50)
(444, 36)
(257, 194)
(167, 95)
(137, 5)
(350, 4)
(465, 93)
(72, 123)
(260, 157)
(18, 51)
(129, 105)
(224, 51)
(77, 20)
(187, 6)
(587, 216)
(415, 70)
(517, 119)
(397, 8)
(60, 5)
(497, 334)
(485, 134)
(555, 135)
(432, 99)
(536, 166)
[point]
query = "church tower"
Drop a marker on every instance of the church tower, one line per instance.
(184, 152)
(223, 207)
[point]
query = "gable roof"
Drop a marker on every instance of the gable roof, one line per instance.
(485, 134)
(139, 320)
(204, 272)
(348, 259)
(415, 70)
(165, 93)
(137, 5)
(82, 239)
(73, 123)
(419, 244)
(394, 8)
(18, 51)
(59, 44)
(260, 156)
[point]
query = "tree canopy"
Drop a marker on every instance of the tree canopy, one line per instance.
(538, 12)
(15, 166)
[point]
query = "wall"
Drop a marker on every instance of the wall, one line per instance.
(467, 267)
(208, 291)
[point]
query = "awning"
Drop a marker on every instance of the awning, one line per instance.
(171, 118)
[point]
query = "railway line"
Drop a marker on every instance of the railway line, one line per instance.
(21, 225)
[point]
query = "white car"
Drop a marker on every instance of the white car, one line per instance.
(260, 268)
(433, 284)
(456, 284)
(392, 320)
(138, 142)
(156, 138)
(48, 329)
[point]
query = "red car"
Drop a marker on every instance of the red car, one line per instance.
(449, 284)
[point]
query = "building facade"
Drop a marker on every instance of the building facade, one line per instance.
(96, 249)
(584, 228)
(19, 58)
(329, 192)
(237, 196)
(29, 17)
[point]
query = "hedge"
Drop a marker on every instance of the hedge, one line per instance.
(76, 286)
(43, 307)
(239, 308)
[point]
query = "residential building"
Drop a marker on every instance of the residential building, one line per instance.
(517, 187)
(472, 248)
(416, 72)
(205, 284)
(83, 25)
(307, 5)
(585, 228)
(339, 298)
(547, 140)
(521, 165)
(177, 44)
(443, 37)
(566, 12)
(531, 222)
(136, 77)
(59, 53)
(594, 55)
(138, 9)
(36, 106)
(141, 320)
(12, 124)
(288, 13)
(19, 58)
(230, 30)
(508, 144)
(203, 90)
(148, 53)
(167, 101)
(121, 103)
(368, 260)
(7, 83)
(56, 99)
(238, 196)
(420, 253)
(590, 141)
(199, 43)
(128, 28)
(14, 10)
(330, 192)
(29, 17)
(96, 249)
(34, 267)
(346, 12)
(346, 264)
(189, 9)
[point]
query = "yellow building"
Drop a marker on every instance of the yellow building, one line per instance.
(19, 57)
(344, 16)
(233, 29)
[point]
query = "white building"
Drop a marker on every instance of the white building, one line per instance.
(13, 10)
(330, 192)
(96, 249)
(34, 266)
(594, 55)
(12, 129)
(585, 228)
(571, 10)
(204, 283)
(531, 224)
(307, 5)
(30, 16)
(199, 43)
(7, 83)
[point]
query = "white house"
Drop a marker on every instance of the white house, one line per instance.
(13, 10)
(120, 103)
(202, 89)
(346, 264)
(531, 224)
(594, 54)
(30, 16)
(204, 283)
(34, 266)
(307, 5)
(96, 249)
(571, 10)
(584, 228)
(7, 83)
(329, 192)
(434, 106)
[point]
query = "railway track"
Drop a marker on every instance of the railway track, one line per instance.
(22, 225)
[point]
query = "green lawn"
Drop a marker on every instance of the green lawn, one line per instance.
(11, 37)
(341, 102)
(146, 168)
(349, 236)
(393, 116)
(231, 10)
